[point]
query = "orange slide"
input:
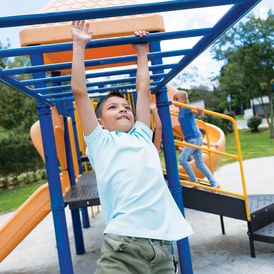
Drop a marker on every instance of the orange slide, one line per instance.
(37, 206)
(215, 136)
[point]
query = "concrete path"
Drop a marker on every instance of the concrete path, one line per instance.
(211, 251)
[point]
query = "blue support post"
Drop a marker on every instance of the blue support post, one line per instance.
(57, 203)
(70, 113)
(75, 215)
(51, 163)
(78, 235)
(171, 164)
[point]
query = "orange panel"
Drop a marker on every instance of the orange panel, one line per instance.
(91, 54)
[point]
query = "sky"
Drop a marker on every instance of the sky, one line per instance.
(205, 65)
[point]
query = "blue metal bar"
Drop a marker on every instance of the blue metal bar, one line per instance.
(79, 241)
(55, 190)
(99, 95)
(94, 62)
(10, 81)
(70, 113)
(75, 213)
(90, 84)
(67, 78)
(171, 164)
(33, 19)
(107, 42)
(100, 90)
(57, 204)
(230, 18)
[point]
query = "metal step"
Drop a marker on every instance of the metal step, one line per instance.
(84, 193)
(264, 234)
(262, 210)
(259, 201)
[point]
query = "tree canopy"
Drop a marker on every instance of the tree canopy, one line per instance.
(17, 112)
(248, 53)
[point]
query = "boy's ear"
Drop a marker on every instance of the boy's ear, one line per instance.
(100, 121)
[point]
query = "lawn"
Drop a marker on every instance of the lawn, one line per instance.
(11, 199)
(254, 145)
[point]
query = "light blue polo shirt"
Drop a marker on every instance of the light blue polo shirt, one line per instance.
(133, 193)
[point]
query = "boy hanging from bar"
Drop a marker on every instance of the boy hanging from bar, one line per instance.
(142, 218)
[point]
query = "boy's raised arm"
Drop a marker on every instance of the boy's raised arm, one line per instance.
(81, 35)
(142, 82)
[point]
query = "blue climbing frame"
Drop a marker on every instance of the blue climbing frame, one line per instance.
(59, 94)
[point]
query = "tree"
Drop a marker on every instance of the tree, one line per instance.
(17, 112)
(248, 52)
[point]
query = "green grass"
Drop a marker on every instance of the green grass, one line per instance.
(254, 145)
(11, 199)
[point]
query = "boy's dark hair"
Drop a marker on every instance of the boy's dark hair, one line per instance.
(99, 107)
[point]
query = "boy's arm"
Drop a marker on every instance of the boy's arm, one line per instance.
(81, 35)
(142, 82)
(158, 128)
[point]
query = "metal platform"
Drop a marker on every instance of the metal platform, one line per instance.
(260, 201)
(215, 203)
(84, 193)
(262, 210)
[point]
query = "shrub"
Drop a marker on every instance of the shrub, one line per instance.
(17, 155)
(223, 124)
(253, 123)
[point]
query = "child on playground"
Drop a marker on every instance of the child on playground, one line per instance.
(142, 219)
(192, 135)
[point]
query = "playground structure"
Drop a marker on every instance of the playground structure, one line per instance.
(112, 49)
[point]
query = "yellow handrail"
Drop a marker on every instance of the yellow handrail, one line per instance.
(179, 143)
(237, 156)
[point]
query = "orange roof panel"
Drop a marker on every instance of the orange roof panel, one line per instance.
(102, 28)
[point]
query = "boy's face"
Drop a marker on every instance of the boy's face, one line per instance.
(117, 115)
(179, 98)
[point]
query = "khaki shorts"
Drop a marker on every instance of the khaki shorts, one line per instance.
(130, 255)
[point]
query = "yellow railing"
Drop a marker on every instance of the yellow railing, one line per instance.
(237, 156)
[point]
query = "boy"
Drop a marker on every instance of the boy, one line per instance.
(140, 214)
(192, 135)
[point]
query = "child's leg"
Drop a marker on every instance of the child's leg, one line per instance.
(184, 161)
(198, 157)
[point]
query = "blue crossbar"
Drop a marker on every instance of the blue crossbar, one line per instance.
(33, 19)
(10, 81)
(101, 83)
(95, 62)
(107, 42)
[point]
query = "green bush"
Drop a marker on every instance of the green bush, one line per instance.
(26, 178)
(17, 154)
(223, 124)
(253, 123)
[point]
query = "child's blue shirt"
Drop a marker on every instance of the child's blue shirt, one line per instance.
(188, 124)
(133, 193)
